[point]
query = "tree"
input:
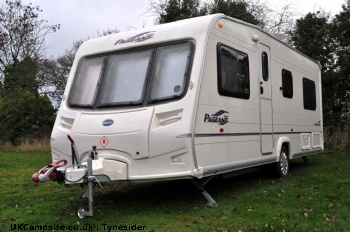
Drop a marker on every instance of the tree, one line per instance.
(22, 33)
(237, 9)
(312, 36)
(51, 80)
(341, 35)
(328, 42)
(25, 109)
(174, 10)
(278, 21)
(251, 11)
(24, 113)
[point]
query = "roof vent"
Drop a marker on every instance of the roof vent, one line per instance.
(281, 37)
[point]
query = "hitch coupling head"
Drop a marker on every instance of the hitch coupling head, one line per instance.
(50, 172)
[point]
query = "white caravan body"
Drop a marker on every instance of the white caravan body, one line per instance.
(189, 99)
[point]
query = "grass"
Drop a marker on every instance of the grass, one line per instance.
(315, 197)
(28, 145)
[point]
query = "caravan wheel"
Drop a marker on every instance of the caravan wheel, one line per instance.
(81, 210)
(283, 163)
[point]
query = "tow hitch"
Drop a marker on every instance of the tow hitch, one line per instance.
(50, 172)
(82, 170)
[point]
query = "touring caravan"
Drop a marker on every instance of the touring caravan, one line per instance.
(190, 99)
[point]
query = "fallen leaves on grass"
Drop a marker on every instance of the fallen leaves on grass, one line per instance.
(221, 229)
(245, 227)
(30, 212)
(327, 218)
(308, 210)
(270, 225)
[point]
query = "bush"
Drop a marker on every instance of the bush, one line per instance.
(337, 138)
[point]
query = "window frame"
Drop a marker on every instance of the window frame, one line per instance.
(226, 92)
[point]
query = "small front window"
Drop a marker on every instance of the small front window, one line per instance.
(84, 87)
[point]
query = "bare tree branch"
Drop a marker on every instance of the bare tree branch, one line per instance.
(22, 34)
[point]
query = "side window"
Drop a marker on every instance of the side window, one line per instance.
(265, 66)
(287, 83)
(233, 72)
(309, 94)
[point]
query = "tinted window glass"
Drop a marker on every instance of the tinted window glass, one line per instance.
(287, 83)
(233, 72)
(309, 94)
(265, 66)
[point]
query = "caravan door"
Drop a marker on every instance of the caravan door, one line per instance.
(266, 126)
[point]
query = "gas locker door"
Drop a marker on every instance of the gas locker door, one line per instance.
(266, 127)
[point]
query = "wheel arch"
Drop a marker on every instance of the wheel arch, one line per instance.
(282, 142)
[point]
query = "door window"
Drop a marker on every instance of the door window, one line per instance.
(265, 66)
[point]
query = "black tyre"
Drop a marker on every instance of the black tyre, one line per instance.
(283, 163)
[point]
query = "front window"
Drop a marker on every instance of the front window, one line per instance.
(170, 72)
(125, 78)
(85, 83)
(133, 77)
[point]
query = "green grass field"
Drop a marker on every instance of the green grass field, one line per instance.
(314, 197)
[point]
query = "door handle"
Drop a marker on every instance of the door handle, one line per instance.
(261, 90)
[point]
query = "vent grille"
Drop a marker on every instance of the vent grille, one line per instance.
(67, 123)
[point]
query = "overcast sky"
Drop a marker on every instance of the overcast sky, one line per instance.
(81, 19)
